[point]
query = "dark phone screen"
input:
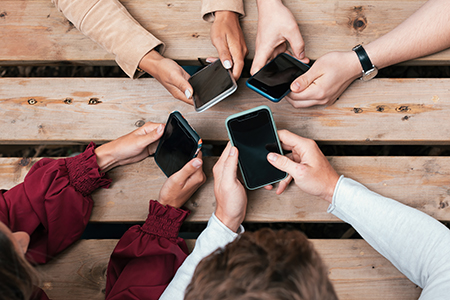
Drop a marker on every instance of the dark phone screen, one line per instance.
(176, 147)
(276, 77)
(210, 82)
(254, 136)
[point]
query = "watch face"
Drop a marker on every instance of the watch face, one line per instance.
(369, 74)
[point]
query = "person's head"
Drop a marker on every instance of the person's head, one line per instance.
(263, 265)
(17, 276)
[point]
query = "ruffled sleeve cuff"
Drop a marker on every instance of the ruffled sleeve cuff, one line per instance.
(84, 173)
(164, 221)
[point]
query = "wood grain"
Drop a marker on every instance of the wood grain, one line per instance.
(420, 182)
(355, 268)
(382, 111)
(35, 32)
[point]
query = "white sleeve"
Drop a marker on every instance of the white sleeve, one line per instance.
(415, 243)
(215, 235)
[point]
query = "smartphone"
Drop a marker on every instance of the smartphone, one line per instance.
(178, 145)
(254, 134)
(211, 85)
(274, 80)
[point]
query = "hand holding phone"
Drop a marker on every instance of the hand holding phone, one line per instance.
(178, 145)
(254, 133)
(273, 81)
(211, 85)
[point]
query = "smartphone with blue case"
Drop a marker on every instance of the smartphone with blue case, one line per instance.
(254, 134)
(274, 80)
(177, 146)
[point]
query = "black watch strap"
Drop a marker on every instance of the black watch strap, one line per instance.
(363, 58)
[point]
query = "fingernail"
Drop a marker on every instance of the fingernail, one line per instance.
(208, 60)
(159, 129)
(188, 94)
(297, 86)
(302, 55)
(232, 151)
(227, 64)
(197, 163)
(272, 157)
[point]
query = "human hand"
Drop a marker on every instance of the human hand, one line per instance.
(276, 25)
(327, 79)
(231, 198)
(169, 74)
(310, 169)
(179, 187)
(129, 148)
(227, 37)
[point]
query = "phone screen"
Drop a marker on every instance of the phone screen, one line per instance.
(211, 84)
(276, 77)
(177, 145)
(255, 136)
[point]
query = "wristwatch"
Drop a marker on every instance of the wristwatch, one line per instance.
(369, 70)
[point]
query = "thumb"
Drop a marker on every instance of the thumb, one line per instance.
(151, 136)
(261, 57)
(230, 167)
(301, 83)
(187, 171)
(282, 163)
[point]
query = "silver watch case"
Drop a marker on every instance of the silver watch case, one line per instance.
(366, 76)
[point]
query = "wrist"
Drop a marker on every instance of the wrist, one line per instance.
(224, 15)
(233, 223)
(149, 63)
(328, 196)
(105, 159)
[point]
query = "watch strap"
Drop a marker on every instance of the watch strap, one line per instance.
(363, 58)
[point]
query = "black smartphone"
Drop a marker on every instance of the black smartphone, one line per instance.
(274, 80)
(211, 85)
(254, 133)
(178, 145)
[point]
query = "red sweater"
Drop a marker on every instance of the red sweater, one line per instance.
(53, 206)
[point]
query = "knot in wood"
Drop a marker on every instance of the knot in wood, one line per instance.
(357, 110)
(32, 101)
(380, 108)
(68, 101)
(360, 24)
(94, 101)
(3, 14)
(357, 20)
(402, 108)
(24, 162)
(139, 123)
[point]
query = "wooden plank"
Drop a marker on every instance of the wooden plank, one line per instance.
(420, 182)
(382, 111)
(356, 270)
(35, 32)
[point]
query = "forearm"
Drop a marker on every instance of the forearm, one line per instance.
(214, 236)
(109, 24)
(413, 241)
(425, 32)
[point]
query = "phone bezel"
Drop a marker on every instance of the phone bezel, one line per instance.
(246, 113)
(187, 129)
(224, 94)
(258, 88)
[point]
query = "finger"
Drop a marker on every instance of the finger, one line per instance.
(268, 187)
(291, 140)
(261, 57)
(238, 66)
(223, 50)
(282, 163)
(297, 44)
(182, 84)
(211, 59)
(283, 184)
(187, 171)
(217, 169)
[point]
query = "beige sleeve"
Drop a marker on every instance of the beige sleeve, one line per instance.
(211, 6)
(108, 23)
